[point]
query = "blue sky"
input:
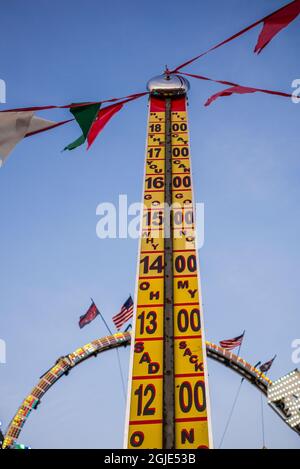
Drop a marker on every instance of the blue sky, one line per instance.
(245, 152)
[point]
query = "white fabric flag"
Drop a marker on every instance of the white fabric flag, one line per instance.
(37, 124)
(14, 125)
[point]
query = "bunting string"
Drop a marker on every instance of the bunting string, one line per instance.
(58, 124)
(127, 98)
(18, 123)
(234, 88)
(273, 23)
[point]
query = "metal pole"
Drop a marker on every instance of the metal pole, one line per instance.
(168, 380)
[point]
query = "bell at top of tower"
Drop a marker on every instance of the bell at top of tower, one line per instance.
(168, 84)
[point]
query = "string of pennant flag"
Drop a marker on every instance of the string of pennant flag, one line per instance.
(19, 123)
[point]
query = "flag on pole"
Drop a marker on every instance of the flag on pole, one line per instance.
(89, 316)
(16, 125)
(230, 344)
(267, 365)
(125, 314)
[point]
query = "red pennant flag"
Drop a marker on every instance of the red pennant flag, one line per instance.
(103, 117)
(229, 92)
(233, 88)
(267, 365)
(274, 23)
(243, 90)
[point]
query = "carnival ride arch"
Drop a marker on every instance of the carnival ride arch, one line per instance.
(64, 365)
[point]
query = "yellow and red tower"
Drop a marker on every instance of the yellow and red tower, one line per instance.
(168, 397)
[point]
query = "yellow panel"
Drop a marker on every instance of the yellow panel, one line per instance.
(156, 127)
(181, 196)
(146, 400)
(181, 166)
(183, 218)
(190, 403)
(153, 218)
(151, 243)
(145, 436)
(155, 166)
(191, 435)
(149, 322)
(190, 399)
(154, 183)
(156, 140)
(153, 199)
(156, 153)
(184, 242)
(150, 291)
(151, 265)
(179, 116)
(185, 263)
(145, 421)
(181, 182)
(180, 152)
(189, 360)
(186, 324)
(179, 126)
(146, 409)
(148, 360)
(180, 138)
(157, 117)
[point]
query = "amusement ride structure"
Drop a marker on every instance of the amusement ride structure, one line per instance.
(168, 396)
(280, 394)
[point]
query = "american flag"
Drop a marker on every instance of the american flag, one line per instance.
(230, 344)
(125, 314)
(267, 365)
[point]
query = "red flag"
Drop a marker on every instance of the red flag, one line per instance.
(229, 92)
(103, 117)
(234, 88)
(89, 316)
(243, 90)
(275, 22)
(267, 365)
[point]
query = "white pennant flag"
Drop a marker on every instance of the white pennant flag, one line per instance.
(15, 125)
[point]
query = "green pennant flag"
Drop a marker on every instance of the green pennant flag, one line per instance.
(85, 116)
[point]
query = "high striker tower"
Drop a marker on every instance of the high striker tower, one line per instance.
(168, 397)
